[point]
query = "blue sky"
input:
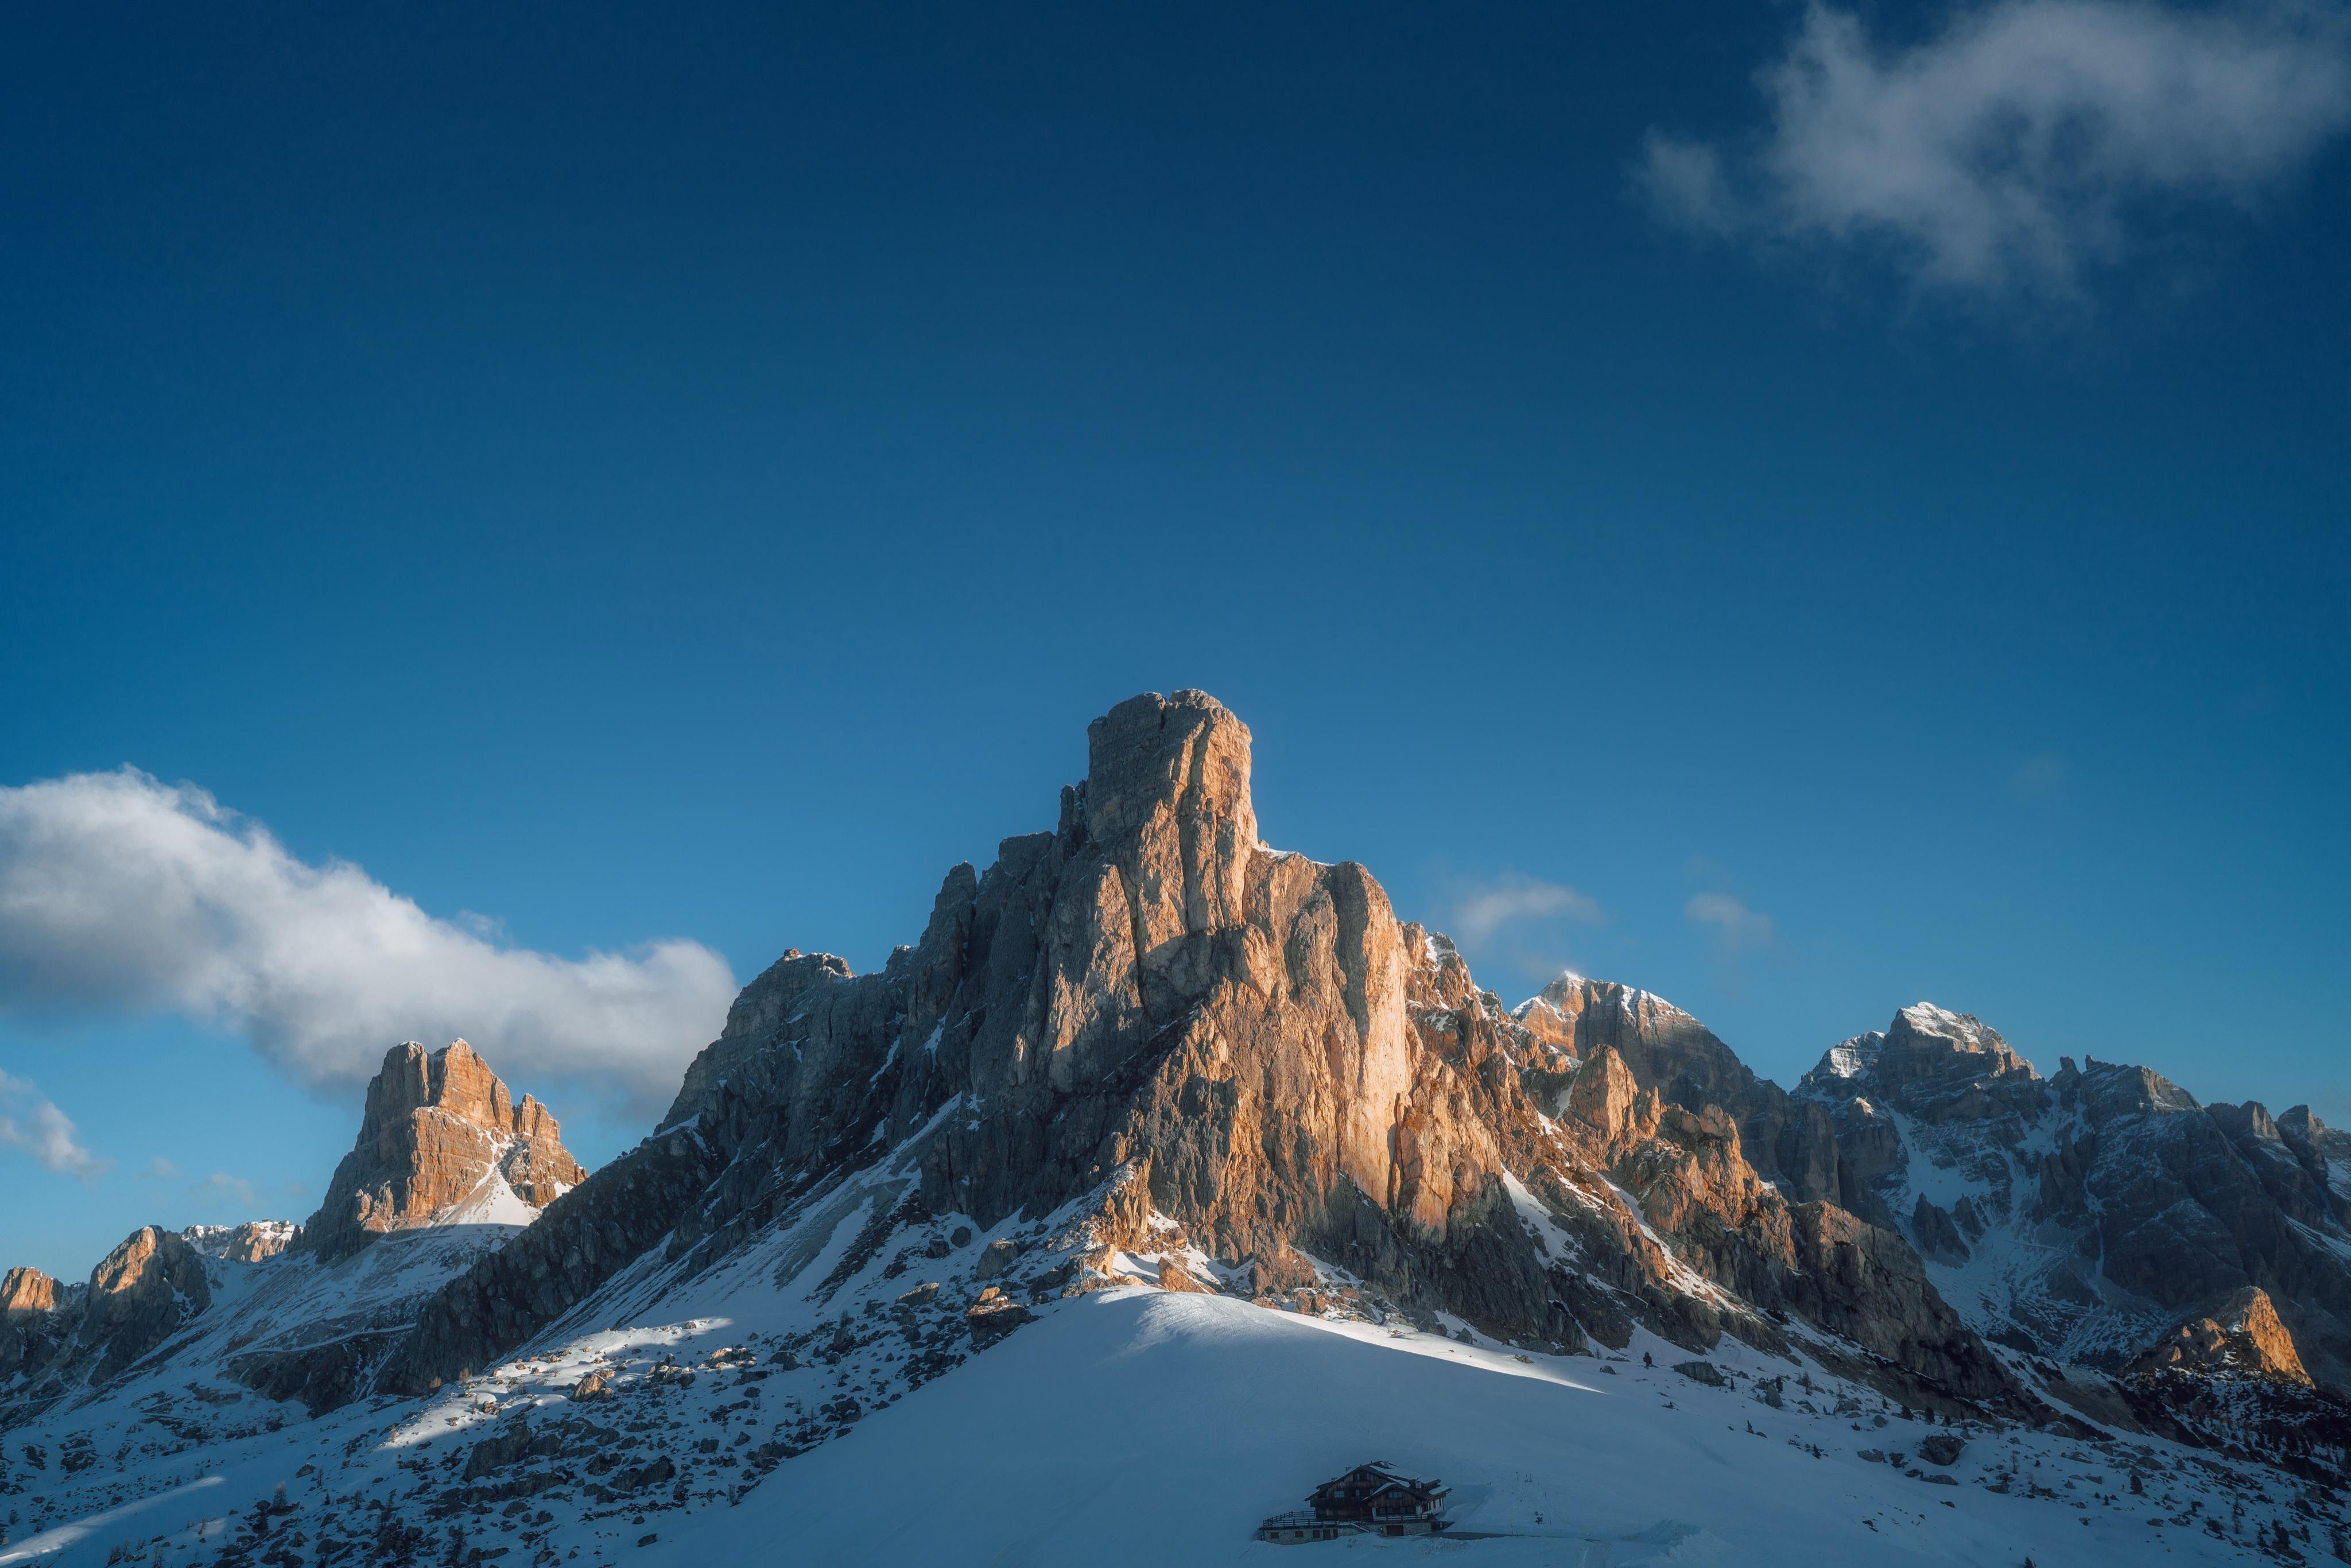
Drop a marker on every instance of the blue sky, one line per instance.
(1664, 499)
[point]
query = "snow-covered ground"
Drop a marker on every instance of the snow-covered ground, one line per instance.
(1137, 1426)
(816, 1399)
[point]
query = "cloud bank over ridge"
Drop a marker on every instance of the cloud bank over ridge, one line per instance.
(121, 893)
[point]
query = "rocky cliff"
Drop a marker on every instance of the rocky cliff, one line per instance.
(441, 1137)
(1150, 998)
(2241, 1337)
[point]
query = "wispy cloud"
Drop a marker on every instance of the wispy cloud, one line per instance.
(119, 891)
(161, 1169)
(2028, 142)
(1519, 925)
(1481, 910)
(1734, 927)
(2040, 777)
(31, 1122)
(225, 1187)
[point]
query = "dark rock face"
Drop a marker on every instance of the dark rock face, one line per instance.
(1148, 1005)
(2161, 1205)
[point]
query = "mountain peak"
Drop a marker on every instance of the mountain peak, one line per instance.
(441, 1140)
(1926, 1047)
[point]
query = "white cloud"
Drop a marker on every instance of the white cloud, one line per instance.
(1482, 912)
(2028, 141)
(161, 1169)
(30, 1122)
(222, 1186)
(119, 892)
(1735, 926)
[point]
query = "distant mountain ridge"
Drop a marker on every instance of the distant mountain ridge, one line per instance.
(445, 1167)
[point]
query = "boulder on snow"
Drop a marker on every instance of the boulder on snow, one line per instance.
(1704, 1372)
(997, 1259)
(993, 1316)
(1273, 1273)
(1942, 1448)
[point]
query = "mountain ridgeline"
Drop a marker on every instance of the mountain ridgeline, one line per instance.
(1146, 1034)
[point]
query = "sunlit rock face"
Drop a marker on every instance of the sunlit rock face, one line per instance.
(1150, 998)
(441, 1137)
(2241, 1338)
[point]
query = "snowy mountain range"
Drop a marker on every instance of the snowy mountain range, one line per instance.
(1168, 1175)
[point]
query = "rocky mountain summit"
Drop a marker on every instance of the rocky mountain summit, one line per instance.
(1150, 1001)
(1146, 1048)
(440, 1137)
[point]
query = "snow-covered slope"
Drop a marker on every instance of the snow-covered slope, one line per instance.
(1138, 1426)
(1151, 1429)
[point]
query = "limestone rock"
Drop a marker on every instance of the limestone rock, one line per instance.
(24, 1291)
(140, 1294)
(35, 1314)
(2241, 1338)
(1174, 1276)
(994, 1315)
(440, 1138)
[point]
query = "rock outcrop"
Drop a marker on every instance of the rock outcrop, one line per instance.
(2240, 1338)
(141, 1294)
(440, 1138)
(31, 1321)
(1791, 1142)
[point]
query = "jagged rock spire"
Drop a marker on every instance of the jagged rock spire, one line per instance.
(441, 1137)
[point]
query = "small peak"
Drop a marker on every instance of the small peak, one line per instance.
(27, 1290)
(435, 1129)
